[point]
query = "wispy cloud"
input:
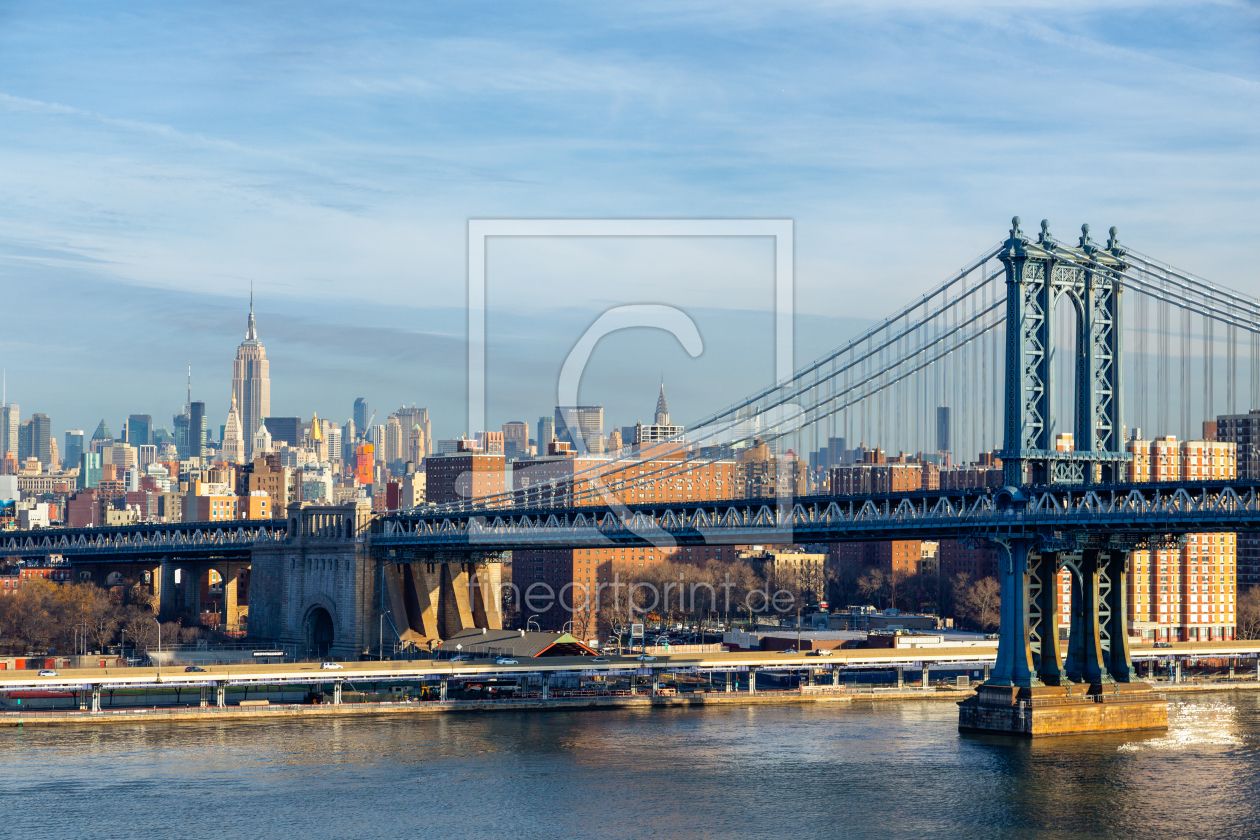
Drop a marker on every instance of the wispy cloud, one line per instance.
(332, 158)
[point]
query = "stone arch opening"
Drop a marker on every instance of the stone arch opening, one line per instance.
(320, 632)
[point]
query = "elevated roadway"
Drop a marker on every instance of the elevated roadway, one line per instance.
(960, 658)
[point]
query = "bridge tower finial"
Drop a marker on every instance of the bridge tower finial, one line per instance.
(1086, 242)
(1045, 239)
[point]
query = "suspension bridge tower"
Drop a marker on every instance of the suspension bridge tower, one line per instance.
(1034, 689)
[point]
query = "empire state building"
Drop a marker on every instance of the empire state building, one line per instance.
(251, 383)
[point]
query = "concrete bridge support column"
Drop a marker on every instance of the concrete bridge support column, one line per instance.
(901, 676)
(96, 697)
(546, 686)
(752, 680)
(1177, 673)
(205, 701)
(487, 609)
(1119, 660)
(229, 598)
(194, 571)
(1014, 656)
(165, 587)
(835, 675)
(1258, 669)
(986, 672)
(1050, 658)
(1085, 661)
(220, 695)
(728, 676)
(442, 689)
(456, 612)
(337, 693)
(927, 678)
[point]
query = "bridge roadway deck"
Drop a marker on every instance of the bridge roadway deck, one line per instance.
(404, 671)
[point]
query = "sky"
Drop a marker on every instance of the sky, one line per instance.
(157, 161)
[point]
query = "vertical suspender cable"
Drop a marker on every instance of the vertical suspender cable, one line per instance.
(1209, 372)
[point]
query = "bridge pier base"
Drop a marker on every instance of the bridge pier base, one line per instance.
(927, 678)
(1029, 693)
(220, 695)
(205, 700)
(337, 693)
(752, 680)
(96, 698)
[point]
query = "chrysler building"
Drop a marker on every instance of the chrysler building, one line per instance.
(251, 384)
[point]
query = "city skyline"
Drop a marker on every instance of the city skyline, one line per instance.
(158, 206)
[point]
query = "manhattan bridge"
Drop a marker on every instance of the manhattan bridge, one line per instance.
(1027, 342)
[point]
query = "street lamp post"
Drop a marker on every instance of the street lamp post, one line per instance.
(159, 626)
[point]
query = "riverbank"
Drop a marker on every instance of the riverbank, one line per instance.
(814, 694)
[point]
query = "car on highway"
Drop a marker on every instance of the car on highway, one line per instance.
(1162, 645)
(191, 668)
(820, 652)
(330, 666)
(646, 657)
(460, 657)
(48, 672)
(600, 659)
(504, 660)
(789, 650)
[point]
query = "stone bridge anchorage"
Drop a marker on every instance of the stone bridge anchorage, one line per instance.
(323, 586)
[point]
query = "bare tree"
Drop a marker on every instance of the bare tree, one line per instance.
(979, 602)
(1249, 614)
(872, 585)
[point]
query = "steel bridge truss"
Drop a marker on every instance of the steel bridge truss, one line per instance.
(1067, 518)
(147, 540)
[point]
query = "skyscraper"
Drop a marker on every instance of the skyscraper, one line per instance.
(75, 440)
(197, 430)
(942, 429)
(546, 431)
(660, 431)
(412, 417)
(584, 423)
(101, 437)
(395, 450)
(9, 421)
(140, 429)
(285, 430)
(41, 435)
(349, 440)
(515, 439)
(251, 382)
(233, 446)
(361, 415)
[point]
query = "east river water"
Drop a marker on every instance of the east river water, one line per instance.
(793, 771)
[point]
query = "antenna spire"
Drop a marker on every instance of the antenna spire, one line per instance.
(251, 333)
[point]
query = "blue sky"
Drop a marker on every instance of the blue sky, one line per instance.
(156, 159)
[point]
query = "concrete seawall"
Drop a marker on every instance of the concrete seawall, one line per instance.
(417, 707)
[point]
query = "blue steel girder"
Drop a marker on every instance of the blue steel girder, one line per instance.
(1065, 516)
(186, 539)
